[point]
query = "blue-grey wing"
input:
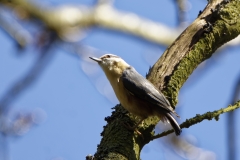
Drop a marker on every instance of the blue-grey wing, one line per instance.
(143, 89)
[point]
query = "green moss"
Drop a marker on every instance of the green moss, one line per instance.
(226, 26)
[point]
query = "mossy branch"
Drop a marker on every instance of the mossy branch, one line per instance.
(199, 118)
(218, 23)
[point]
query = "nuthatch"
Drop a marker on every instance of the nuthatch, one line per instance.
(135, 93)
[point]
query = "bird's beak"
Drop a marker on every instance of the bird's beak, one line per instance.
(96, 59)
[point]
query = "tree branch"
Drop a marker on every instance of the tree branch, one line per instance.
(15, 30)
(24, 82)
(217, 24)
(68, 19)
(214, 27)
(196, 44)
(199, 118)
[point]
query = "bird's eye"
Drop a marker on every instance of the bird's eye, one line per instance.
(108, 56)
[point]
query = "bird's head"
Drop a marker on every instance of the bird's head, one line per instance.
(111, 64)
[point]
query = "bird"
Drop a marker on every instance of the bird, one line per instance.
(135, 93)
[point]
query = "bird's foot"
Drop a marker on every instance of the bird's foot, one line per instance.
(133, 128)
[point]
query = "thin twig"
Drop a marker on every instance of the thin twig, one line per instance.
(19, 34)
(17, 88)
(181, 7)
(199, 118)
(23, 83)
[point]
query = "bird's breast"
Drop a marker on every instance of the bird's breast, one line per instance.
(129, 101)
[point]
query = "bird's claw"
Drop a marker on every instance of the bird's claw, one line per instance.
(134, 128)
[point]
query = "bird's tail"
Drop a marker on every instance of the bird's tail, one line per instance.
(173, 123)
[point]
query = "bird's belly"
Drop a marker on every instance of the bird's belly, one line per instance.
(131, 103)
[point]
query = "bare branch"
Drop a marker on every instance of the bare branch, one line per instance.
(68, 19)
(15, 30)
(27, 80)
(181, 8)
(65, 20)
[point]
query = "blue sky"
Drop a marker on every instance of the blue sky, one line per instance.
(73, 109)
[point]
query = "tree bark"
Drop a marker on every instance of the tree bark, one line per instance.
(217, 24)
